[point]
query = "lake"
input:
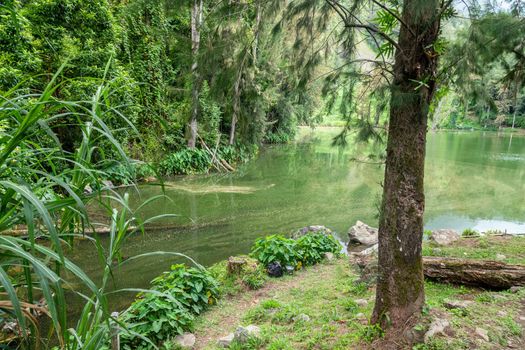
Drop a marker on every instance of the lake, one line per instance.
(473, 180)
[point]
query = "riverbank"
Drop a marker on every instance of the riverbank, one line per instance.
(339, 307)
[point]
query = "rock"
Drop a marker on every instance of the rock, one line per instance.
(444, 236)
(243, 334)
(502, 313)
(522, 318)
(88, 189)
(371, 251)
(483, 333)
(185, 340)
(225, 342)
(457, 304)
(107, 184)
(515, 289)
(437, 326)
(311, 229)
(361, 233)
(361, 302)
(329, 256)
(360, 316)
(302, 318)
(500, 257)
(274, 269)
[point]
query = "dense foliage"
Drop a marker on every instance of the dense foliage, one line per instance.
(169, 307)
(150, 44)
(308, 249)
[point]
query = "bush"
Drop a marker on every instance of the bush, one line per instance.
(155, 317)
(276, 248)
(194, 288)
(312, 246)
(306, 250)
(187, 161)
(169, 310)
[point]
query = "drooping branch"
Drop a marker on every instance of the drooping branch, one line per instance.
(392, 13)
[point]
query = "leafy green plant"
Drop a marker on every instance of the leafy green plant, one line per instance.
(254, 278)
(194, 288)
(312, 246)
(169, 308)
(276, 248)
(155, 317)
(186, 161)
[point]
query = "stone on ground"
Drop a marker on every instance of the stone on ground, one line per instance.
(185, 340)
(483, 333)
(329, 256)
(457, 304)
(243, 334)
(225, 341)
(444, 236)
(361, 302)
(437, 326)
(361, 233)
(302, 317)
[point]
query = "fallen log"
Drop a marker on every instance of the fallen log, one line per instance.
(478, 273)
(487, 274)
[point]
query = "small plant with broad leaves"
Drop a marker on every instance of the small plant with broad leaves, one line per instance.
(152, 319)
(312, 246)
(276, 248)
(169, 308)
(194, 288)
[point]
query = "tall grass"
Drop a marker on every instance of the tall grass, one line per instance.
(43, 190)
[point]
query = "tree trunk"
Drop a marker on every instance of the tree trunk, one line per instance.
(400, 293)
(236, 101)
(478, 273)
(256, 38)
(196, 19)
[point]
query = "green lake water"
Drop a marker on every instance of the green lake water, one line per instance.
(473, 179)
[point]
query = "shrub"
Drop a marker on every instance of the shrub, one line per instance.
(469, 232)
(187, 161)
(194, 288)
(169, 309)
(276, 248)
(254, 278)
(312, 246)
(155, 317)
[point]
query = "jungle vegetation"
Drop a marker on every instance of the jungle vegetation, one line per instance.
(114, 89)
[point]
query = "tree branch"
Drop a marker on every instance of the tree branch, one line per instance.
(395, 16)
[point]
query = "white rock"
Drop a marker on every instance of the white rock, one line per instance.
(225, 342)
(243, 334)
(522, 318)
(361, 233)
(329, 256)
(437, 326)
(483, 333)
(361, 302)
(302, 317)
(444, 236)
(185, 340)
(360, 316)
(457, 304)
(500, 257)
